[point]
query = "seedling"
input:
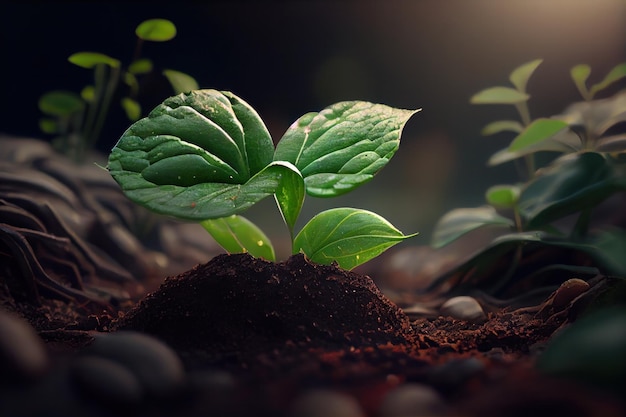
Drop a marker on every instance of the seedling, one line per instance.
(78, 119)
(589, 168)
(207, 156)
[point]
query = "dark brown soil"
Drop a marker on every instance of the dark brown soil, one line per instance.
(254, 337)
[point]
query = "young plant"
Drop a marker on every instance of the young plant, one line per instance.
(590, 169)
(207, 156)
(78, 119)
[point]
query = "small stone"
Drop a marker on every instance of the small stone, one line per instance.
(463, 308)
(157, 367)
(106, 381)
(451, 375)
(325, 403)
(568, 291)
(22, 353)
(411, 399)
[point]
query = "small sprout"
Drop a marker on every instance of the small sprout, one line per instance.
(206, 156)
(82, 132)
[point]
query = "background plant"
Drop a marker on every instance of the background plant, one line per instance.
(207, 156)
(77, 119)
(589, 143)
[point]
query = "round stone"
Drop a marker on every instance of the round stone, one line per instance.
(22, 352)
(411, 399)
(157, 367)
(325, 403)
(106, 381)
(463, 308)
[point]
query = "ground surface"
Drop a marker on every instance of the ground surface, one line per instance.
(85, 331)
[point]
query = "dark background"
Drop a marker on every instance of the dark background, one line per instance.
(290, 57)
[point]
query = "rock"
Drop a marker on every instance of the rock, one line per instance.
(106, 381)
(157, 367)
(22, 353)
(325, 403)
(411, 399)
(463, 308)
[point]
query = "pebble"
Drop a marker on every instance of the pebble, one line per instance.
(157, 367)
(106, 381)
(411, 400)
(325, 403)
(463, 308)
(22, 352)
(452, 374)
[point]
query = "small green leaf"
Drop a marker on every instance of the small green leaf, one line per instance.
(132, 108)
(290, 194)
(499, 95)
(569, 185)
(502, 126)
(140, 66)
(579, 74)
(616, 74)
(347, 236)
(180, 82)
(156, 30)
(459, 222)
(131, 81)
(536, 132)
(91, 59)
(49, 126)
(88, 93)
(60, 103)
(343, 146)
(566, 141)
(503, 196)
(236, 234)
(520, 75)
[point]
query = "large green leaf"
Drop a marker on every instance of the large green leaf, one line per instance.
(199, 155)
(343, 146)
(520, 75)
(536, 132)
(499, 95)
(347, 236)
(237, 234)
(459, 222)
(570, 184)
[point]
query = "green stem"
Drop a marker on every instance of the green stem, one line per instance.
(524, 112)
(114, 75)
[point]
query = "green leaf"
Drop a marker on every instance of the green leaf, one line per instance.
(503, 196)
(88, 93)
(520, 75)
(343, 146)
(565, 141)
(91, 59)
(347, 236)
(536, 132)
(591, 350)
(459, 222)
(60, 103)
(200, 155)
(140, 66)
(49, 126)
(290, 194)
(132, 108)
(236, 234)
(156, 30)
(180, 82)
(499, 95)
(616, 74)
(569, 185)
(579, 74)
(502, 126)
